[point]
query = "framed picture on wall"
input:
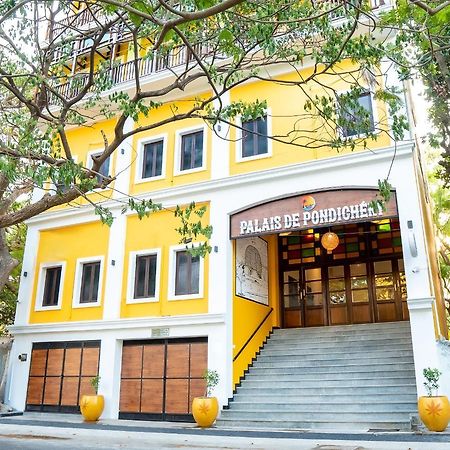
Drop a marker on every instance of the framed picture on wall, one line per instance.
(251, 269)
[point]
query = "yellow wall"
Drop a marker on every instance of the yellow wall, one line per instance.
(286, 105)
(248, 315)
(67, 244)
(84, 140)
(158, 231)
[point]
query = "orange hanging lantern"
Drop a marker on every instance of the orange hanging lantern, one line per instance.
(330, 241)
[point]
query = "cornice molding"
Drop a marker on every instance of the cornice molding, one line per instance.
(118, 324)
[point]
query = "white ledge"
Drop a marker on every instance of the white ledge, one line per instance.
(118, 324)
(424, 303)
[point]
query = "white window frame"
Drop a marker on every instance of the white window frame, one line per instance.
(239, 140)
(132, 273)
(173, 270)
(90, 162)
(41, 284)
(374, 114)
(140, 158)
(77, 282)
(177, 160)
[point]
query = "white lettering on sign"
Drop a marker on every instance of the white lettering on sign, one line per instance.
(321, 216)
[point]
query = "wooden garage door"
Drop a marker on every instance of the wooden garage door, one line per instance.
(60, 374)
(161, 377)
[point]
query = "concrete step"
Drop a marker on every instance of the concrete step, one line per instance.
(312, 408)
(316, 347)
(366, 363)
(331, 356)
(292, 425)
(311, 400)
(347, 339)
(397, 377)
(320, 416)
(317, 371)
(337, 350)
(355, 328)
(349, 384)
(317, 390)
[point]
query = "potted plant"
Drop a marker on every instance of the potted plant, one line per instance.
(205, 409)
(434, 410)
(91, 406)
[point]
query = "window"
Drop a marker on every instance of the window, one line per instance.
(254, 137)
(145, 276)
(152, 159)
(191, 155)
(88, 282)
(187, 273)
(358, 119)
(52, 286)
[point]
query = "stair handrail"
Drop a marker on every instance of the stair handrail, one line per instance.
(253, 334)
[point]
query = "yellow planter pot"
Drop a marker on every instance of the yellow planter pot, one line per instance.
(434, 412)
(205, 410)
(91, 407)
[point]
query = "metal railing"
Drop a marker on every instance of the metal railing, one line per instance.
(125, 72)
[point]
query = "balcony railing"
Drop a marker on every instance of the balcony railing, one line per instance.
(125, 72)
(80, 19)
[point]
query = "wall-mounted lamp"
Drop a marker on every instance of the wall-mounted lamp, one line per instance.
(412, 239)
(23, 357)
(216, 249)
(113, 262)
(25, 274)
(122, 151)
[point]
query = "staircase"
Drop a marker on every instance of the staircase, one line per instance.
(353, 377)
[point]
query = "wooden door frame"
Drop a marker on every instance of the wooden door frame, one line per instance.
(346, 263)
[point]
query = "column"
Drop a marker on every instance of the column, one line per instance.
(420, 296)
(109, 372)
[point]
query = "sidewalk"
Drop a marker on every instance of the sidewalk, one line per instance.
(67, 431)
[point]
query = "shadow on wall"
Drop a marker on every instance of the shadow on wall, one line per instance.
(5, 349)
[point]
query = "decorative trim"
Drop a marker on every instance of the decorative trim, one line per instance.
(119, 324)
(425, 303)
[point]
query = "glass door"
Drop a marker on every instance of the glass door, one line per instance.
(313, 295)
(390, 290)
(292, 300)
(337, 296)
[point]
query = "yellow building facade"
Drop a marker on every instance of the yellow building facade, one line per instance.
(129, 303)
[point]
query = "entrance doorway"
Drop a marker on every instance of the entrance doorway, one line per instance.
(362, 281)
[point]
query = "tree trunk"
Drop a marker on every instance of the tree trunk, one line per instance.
(7, 262)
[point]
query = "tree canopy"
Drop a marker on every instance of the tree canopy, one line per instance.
(57, 73)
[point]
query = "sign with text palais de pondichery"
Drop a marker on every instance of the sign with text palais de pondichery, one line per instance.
(319, 209)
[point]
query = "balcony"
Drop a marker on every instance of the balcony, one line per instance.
(125, 72)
